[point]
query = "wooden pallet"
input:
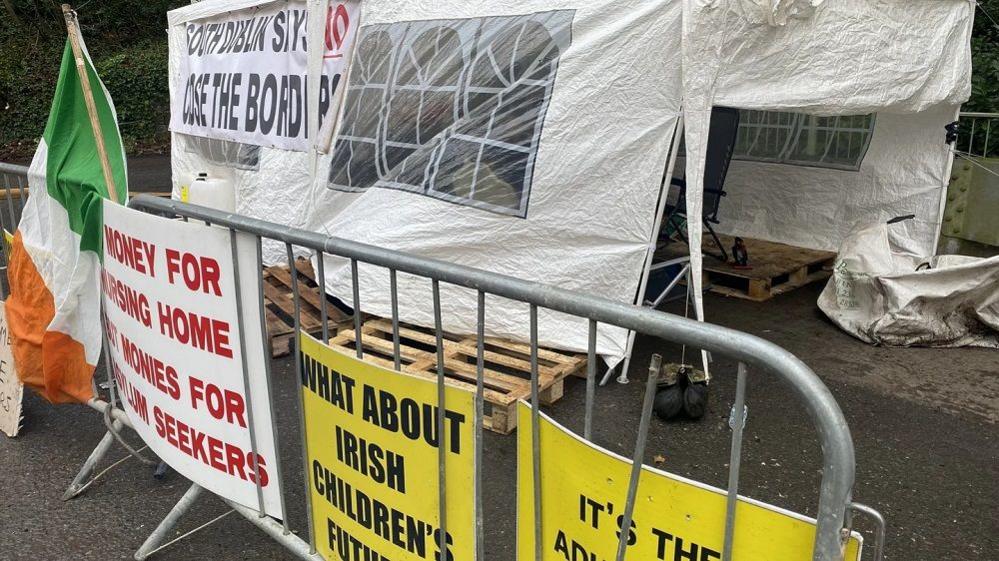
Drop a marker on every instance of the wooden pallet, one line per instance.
(776, 268)
(507, 369)
(280, 306)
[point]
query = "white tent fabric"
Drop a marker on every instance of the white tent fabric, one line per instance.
(845, 57)
(902, 173)
(599, 148)
(585, 213)
(587, 221)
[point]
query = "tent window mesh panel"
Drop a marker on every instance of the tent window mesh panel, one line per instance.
(223, 152)
(450, 109)
(795, 138)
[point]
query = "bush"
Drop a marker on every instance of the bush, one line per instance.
(137, 79)
(128, 44)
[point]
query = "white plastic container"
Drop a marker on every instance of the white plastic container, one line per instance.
(184, 180)
(215, 192)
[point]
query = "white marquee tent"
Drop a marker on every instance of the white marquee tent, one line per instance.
(530, 138)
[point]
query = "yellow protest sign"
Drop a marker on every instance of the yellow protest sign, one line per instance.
(583, 493)
(372, 460)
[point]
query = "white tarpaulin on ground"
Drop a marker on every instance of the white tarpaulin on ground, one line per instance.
(841, 57)
(884, 293)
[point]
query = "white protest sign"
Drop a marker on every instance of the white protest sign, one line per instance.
(244, 73)
(11, 390)
(172, 326)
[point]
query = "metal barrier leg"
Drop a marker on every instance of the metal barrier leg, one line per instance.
(155, 540)
(80, 481)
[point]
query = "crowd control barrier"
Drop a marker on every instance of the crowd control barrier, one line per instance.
(835, 508)
(15, 192)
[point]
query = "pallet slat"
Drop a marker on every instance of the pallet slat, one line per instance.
(506, 374)
(279, 309)
(776, 268)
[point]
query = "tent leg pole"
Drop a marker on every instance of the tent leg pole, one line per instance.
(650, 252)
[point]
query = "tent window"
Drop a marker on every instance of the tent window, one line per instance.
(223, 152)
(450, 109)
(795, 138)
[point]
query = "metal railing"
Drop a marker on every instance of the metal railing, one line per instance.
(14, 179)
(838, 466)
(978, 134)
(834, 508)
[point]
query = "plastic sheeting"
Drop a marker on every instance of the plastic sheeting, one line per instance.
(883, 293)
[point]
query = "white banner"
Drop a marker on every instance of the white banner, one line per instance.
(244, 74)
(11, 389)
(172, 326)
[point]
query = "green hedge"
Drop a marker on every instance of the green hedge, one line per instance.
(135, 76)
(127, 41)
(137, 80)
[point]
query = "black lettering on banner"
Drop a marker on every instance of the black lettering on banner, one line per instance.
(348, 547)
(330, 385)
(672, 548)
(298, 18)
(368, 458)
(279, 33)
(392, 525)
(413, 420)
(572, 550)
(252, 97)
(268, 104)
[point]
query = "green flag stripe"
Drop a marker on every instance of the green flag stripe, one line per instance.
(74, 177)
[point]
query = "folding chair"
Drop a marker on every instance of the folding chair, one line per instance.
(721, 144)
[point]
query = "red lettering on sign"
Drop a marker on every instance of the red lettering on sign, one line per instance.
(222, 456)
(221, 403)
(189, 328)
(160, 375)
(132, 252)
(337, 25)
(199, 273)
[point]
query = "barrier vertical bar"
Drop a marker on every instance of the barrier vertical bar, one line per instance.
(22, 196)
(301, 397)
(267, 373)
(639, 456)
(591, 380)
(10, 201)
(737, 420)
(321, 282)
(357, 308)
(480, 364)
(246, 370)
(441, 450)
(536, 434)
(394, 289)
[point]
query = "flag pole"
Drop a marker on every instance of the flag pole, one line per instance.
(73, 29)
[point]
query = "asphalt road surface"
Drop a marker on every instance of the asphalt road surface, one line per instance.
(923, 422)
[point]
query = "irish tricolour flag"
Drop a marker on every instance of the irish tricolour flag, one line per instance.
(54, 304)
